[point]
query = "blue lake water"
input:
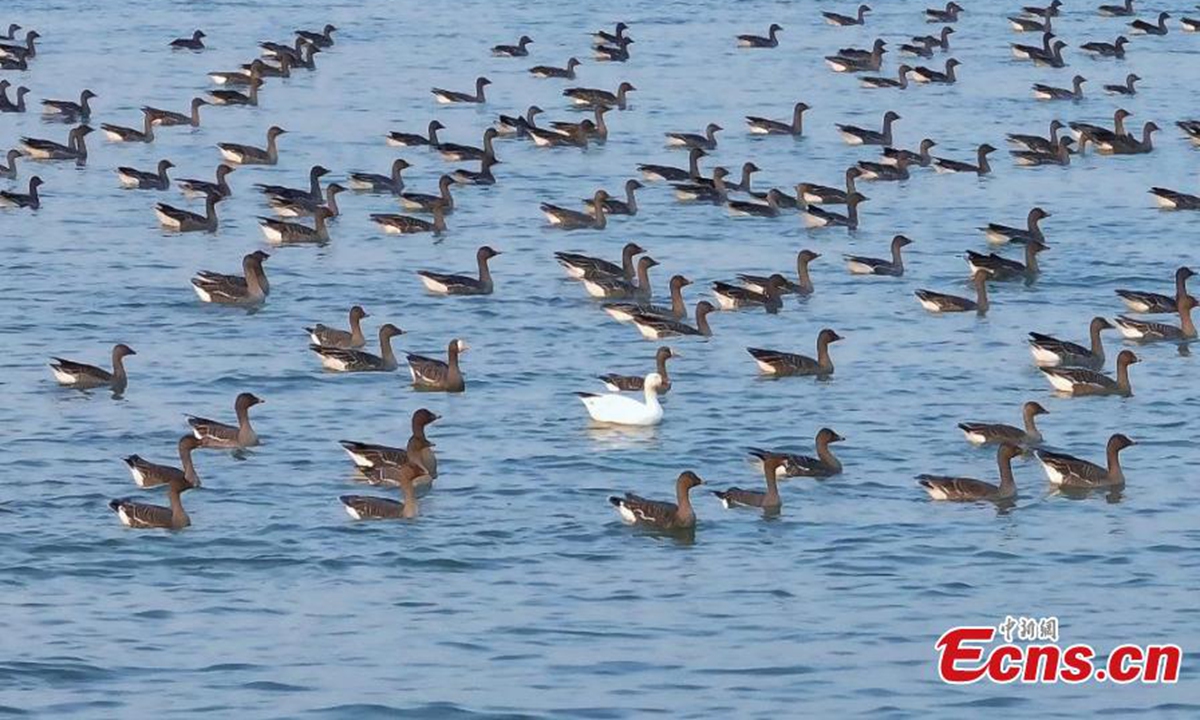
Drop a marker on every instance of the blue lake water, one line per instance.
(518, 593)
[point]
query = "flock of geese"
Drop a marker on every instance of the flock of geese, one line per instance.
(624, 285)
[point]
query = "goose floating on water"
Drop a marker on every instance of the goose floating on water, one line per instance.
(601, 37)
(433, 374)
(854, 135)
(521, 49)
(815, 216)
(321, 39)
(591, 97)
(615, 409)
(1149, 302)
(767, 126)
(997, 433)
(31, 200)
(625, 311)
(401, 139)
(75, 149)
(448, 284)
(814, 194)
(305, 206)
(482, 176)
(219, 436)
(1128, 144)
(118, 133)
(313, 190)
(342, 359)
(408, 225)
(147, 474)
(963, 489)
(373, 182)
(146, 180)
(195, 42)
(769, 502)
(707, 141)
(802, 286)
(824, 465)
(367, 507)
(249, 289)
(9, 106)
(1115, 49)
(418, 450)
(578, 265)
(878, 82)
(200, 188)
(144, 516)
(980, 167)
(447, 97)
(86, 377)
(281, 232)
(998, 234)
(567, 219)
(1147, 331)
(948, 15)
(613, 206)
(839, 20)
(1037, 142)
(1175, 200)
(618, 287)
(1049, 351)
(1067, 471)
(758, 41)
(9, 171)
(549, 71)
(674, 174)
(1126, 89)
(657, 514)
(923, 74)
(657, 327)
(424, 202)
(170, 118)
(860, 265)
(1083, 381)
(1141, 27)
(733, 297)
(1049, 92)
(68, 110)
(180, 220)
(351, 339)
(1001, 268)
(634, 383)
(936, 302)
(781, 364)
(250, 155)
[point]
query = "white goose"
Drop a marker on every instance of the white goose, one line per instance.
(616, 409)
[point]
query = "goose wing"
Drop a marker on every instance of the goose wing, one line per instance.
(141, 515)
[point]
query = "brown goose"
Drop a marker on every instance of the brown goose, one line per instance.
(213, 434)
(147, 474)
(1142, 27)
(313, 190)
(1082, 381)
(818, 217)
(995, 433)
(521, 49)
(433, 374)
(8, 106)
(782, 364)
(118, 133)
(949, 15)
(68, 110)
(402, 139)
(549, 71)
(281, 232)
(448, 97)
(767, 126)
(459, 152)
(31, 199)
(814, 194)
(1002, 268)
(1149, 302)
(198, 188)
(195, 42)
(979, 167)
(237, 97)
(1049, 351)
(860, 265)
(85, 377)
(802, 286)
(936, 302)
(769, 502)
(657, 327)
(75, 149)
(352, 360)
(368, 507)
(758, 41)
(706, 141)
(578, 265)
(1147, 331)
(591, 97)
(625, 311)
(962, 489)
(674, 174)
(998, 234)
(321, 39)
(636, 383)
(567, 219)
(423, 202)
(372, 182)
(1067, 471)
(1049, 92)
(143, 516)
(181, 220)
(409, 225)
(144, 180)
(1038, 143)
(715, 191)
(367, 455)
(338, 338)
(614, 287)
(733, 297)
(250, 155)
(659, 515)
(450, 284)
(249, 289)
(825, 464)
(307, 206)
(613, 206)
(1129, 145)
